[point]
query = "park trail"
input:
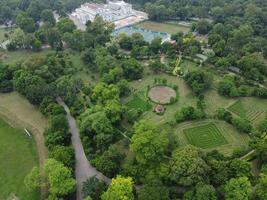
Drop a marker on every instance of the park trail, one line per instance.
(83, 168)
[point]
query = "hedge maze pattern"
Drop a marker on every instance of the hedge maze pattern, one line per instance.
(239, 109)
(206, 136)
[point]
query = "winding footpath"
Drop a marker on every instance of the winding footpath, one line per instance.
(83, 168)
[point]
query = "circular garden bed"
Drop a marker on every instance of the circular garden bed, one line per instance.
(162, 94)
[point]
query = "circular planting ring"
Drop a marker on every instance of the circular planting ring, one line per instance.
(161, 94)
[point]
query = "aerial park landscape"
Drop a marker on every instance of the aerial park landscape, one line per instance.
(133, 100)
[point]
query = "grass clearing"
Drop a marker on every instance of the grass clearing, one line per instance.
(16, 110)
(238, 109)
(18, 156)
(167, 27)
(254, 109)
(138, 103)
(185, 98)
(233, 138)
(206, 136)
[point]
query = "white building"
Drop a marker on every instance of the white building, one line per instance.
(118, 12)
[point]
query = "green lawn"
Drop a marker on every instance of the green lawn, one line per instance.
(138, 103)
(238, 109)
(254, 109)
(20, 113)
(210, 135)
(168, 27)
(18, 156)
(206, 136)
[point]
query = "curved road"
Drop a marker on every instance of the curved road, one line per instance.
(83, 168)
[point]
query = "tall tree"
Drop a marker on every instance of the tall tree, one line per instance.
(187, 166)
(238, 189)
(148, 143)
(120, 189)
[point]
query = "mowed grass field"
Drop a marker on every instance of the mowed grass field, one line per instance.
(16, 110)
(170, 27)
(254, 109)
(18, 155)
(205, 136)
(210, 135)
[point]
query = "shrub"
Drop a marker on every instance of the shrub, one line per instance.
(188, 113)
(242, 124)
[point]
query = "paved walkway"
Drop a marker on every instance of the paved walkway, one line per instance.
(83, 168)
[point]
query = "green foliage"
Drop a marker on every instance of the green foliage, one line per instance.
(65, 25)
(132, 69)
(148, 144)
(64, 155)
(6, 84)
(109, 162)
(188, 113)
(187, 166)
(153, 192)
(201, 192)
(33, 179)
(95, 125)
(242, 124)
(47, 16)
(94, 188)
(238, 189)
(59, 178)
(120, 189)
(199, 81)
(261, 187)
(103, 92)
(25, 22)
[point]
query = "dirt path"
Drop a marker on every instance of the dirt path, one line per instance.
(83, 168)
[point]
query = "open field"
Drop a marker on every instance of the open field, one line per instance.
(205, 136)
(233, 138)
(167, 27)
(18, 112)
(14, 56)
(214, 101)
(18, 156)
(254, 109)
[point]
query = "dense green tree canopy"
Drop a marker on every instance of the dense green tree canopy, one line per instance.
(120, 189)
(148, 143)
(238, 189)
(187, 166)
